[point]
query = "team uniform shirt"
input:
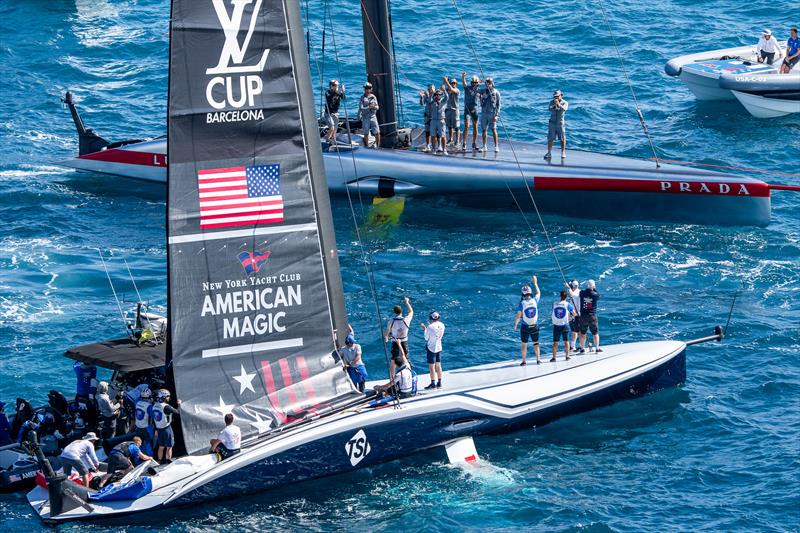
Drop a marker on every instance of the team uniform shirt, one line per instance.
(399, 330)
(425, 101)
(433, 336)
(162, 414)
(529, 307)
(769, 46)
(231, 437)
(490, 102)
(142, 413)
(368, 113)
(557, 111)
(793, 44)
(472, 96)
(575, 300)
(562, 311)
(589, 299)
(453, 95)
(438, 109)
(85, 374)
(351, 354)
(332, 100)
(404, 380)
(82, 451)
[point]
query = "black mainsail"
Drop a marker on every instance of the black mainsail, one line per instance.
(255, 294)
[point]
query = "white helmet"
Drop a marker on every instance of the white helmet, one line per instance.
(162, 395)
(146, 394)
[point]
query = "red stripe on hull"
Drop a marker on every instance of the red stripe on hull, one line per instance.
(711, 188)
(128, 157)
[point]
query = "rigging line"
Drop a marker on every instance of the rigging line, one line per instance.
(365, 254)
(744, 169)
(730, 312)
(516, 160)
(138, 296)
(630, 84)
(121, 313)
(322, 101)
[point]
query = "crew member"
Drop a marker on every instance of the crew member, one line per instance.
(109, 410)
(143, 418)
(351, 356)
(124, 457)
(402, 382)
(425, 100)
(229, 441)
(397, 330)
(556, 127)
(80, 455)
(792, 52)
(472, 98)
(86, 375)
(589, 297)
(562, 313)
(767, 49)
(162, 414)
(333, 97)
(528, 313)
(438, 122)
(574, 291)
(490, 112)
(368, 111)
(452, 114)
(5, 426)
(433, 348)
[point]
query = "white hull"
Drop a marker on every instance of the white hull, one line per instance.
(705, 88)
(763, 107)
(489, 398)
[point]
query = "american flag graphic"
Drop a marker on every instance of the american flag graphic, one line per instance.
(240, 196)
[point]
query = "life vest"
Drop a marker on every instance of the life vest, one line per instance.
(530, 311)
(410, 386)
(399, 328)
(560, 315)
(161, 419)
(142, 415)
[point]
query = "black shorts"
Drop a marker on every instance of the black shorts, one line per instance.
(118, 462)
(224, 452)
(529, 332)
(559, 333)
(588, 323)
(575, 324)
(791, 62)
(433, 357)
(396, 350)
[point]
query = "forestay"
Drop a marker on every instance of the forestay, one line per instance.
(255, 291)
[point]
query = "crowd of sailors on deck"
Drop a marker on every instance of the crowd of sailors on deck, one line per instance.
(573, 317)
(442, 112)
(768, 50)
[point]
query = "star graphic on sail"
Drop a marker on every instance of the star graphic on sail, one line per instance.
(224, 408)
(260, 424)
(245, 380)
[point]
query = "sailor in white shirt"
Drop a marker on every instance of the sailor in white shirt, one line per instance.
(433, 348)
(80, 455)
(402, 382)
(574, 292)
(229, 441)
(768, 49)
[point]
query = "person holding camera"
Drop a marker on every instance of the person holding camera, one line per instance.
(557, 127)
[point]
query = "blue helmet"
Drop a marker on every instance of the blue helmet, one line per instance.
(349, 340)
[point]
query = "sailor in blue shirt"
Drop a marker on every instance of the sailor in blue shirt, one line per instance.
(528, 314)
(86, 375)
(792, 52)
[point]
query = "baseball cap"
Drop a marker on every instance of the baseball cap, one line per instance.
(574, 284)
(90, 436)
(767, 32)
(368, 84)
(526, 290)
(434, 316)
(334, 82)
(476, 79)
(557, 92)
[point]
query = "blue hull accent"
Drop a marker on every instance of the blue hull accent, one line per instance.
(392, 440)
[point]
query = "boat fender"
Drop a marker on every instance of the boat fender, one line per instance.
(673, 68)
(461, 451)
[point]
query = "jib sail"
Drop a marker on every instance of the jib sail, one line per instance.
(255, 296)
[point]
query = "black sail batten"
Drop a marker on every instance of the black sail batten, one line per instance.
(254, 284)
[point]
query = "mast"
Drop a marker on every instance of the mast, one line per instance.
(378, 54)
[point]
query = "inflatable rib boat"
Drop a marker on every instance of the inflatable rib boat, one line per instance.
(767, 95)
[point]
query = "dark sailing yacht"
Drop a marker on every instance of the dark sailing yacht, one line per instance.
(256, 309)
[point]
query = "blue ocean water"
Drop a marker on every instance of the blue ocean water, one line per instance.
(720, 454)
